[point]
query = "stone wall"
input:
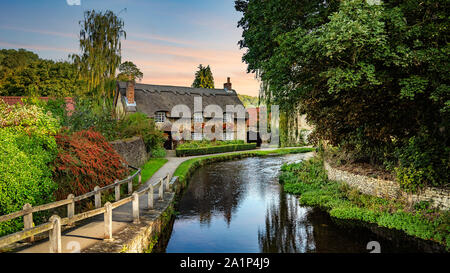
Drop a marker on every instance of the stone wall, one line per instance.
(132, 150)
(438, 198)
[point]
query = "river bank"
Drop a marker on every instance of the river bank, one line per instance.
(309, 180)
(239, 206)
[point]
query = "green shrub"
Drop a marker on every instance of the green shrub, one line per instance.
(159, 153)
(27, 147)
(139, 124)
(90, 114)
(207, 143)
(214, 149)
(422, 163)
(56, 106)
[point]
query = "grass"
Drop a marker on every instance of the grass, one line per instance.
(186, 168)
(149, 169)
(309, 180)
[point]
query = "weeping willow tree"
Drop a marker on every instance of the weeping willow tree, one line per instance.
(100, 56)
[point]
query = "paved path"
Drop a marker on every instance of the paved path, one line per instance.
(86, 235)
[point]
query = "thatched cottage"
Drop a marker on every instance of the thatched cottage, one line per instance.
(157, 101)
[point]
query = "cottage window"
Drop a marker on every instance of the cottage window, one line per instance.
(198, 117)
(160, 117)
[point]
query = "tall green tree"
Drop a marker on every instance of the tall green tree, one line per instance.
(203, 78)
(372, 76)
(100, 44)
(128, 70)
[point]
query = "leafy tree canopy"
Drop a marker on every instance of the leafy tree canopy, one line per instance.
(129, 70)
(372, 76)
(23, 73)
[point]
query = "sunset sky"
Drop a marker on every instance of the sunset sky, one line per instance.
(166, 39)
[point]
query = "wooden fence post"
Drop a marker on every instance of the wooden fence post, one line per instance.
(150, 198)
(71, 208)
(117, 190)
(108, 222)
(168, 182)
(161, 190)
(130, 186)
(98, 197)
(55, 235)
(135, 208)
(140, 177)
(28, 221)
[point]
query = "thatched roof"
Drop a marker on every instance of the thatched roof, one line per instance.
(154, 98)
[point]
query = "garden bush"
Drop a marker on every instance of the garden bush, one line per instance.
(90, 114)
(214, 149)
(56, 106)
(422, 163)
(85, 160)
(27, 148)
(207, 143)
(139, 124)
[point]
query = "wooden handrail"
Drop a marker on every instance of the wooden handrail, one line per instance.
(21, 235)
(61, 203)
(34, 209)
(55, 222)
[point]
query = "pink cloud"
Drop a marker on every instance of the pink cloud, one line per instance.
(176, 65)
(45, 32)
(36, 47)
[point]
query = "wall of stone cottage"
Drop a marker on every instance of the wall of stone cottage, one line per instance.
(438, 198)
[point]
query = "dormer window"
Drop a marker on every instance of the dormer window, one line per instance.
(160, 117)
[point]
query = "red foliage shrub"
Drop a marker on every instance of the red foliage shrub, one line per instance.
(85, 160)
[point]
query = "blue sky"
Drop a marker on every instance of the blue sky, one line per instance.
(167, 39)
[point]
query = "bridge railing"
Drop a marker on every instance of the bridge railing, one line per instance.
(53, 226)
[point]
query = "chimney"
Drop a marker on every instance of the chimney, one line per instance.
(227, 85)
(130, 91)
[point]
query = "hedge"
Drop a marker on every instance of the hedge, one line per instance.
(215, 149)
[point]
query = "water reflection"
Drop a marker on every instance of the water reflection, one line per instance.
(239, 206)
(286, 229)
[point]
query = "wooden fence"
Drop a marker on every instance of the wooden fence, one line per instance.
(53, 226)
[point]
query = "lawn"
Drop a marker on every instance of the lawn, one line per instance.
(150, 168)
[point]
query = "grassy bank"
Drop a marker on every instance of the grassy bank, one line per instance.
(188, 167)
(309, 180)
(149, 169)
